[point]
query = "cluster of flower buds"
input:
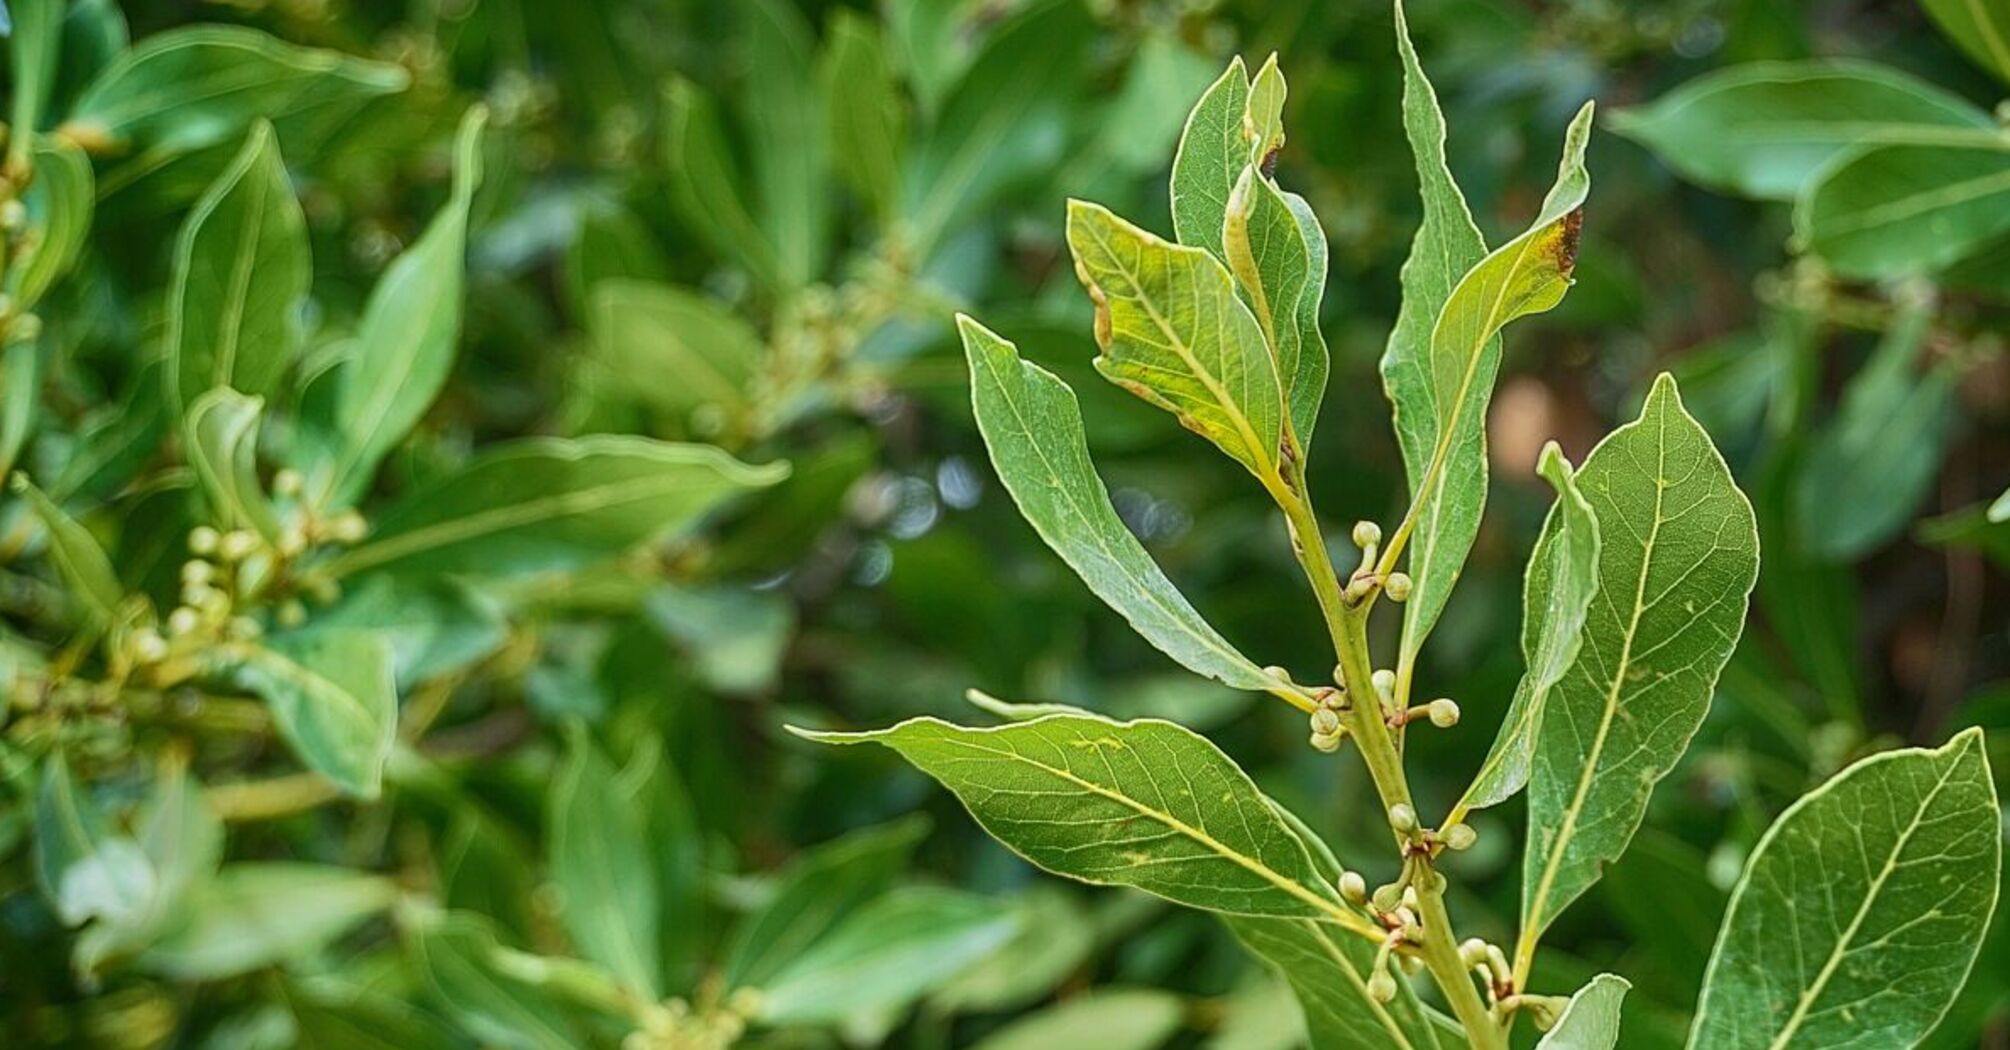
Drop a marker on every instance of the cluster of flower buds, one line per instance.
(1368, 536)
(675, 1025)
(1327, 729)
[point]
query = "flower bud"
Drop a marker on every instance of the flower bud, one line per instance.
(1381, 987)
(1444, 713)
(292, 613)
(1325, 722)
(1397, 587)
(1326, 743)
(236, 545)
(288, 482)
(1403, 818)
(196, 572)
(1388, 898)
(1353, 888)
(202, 540)
(1385, 683)
(1367, 534)
(247, 629)
(148, 646)
(183, 620)
(1459, 837)
(348, 527)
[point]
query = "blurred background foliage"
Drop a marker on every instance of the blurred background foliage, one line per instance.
(748, 224)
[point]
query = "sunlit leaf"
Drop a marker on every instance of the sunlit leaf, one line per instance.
(1891, 211)
(1591, 1021)
(885, 955)
(257, 914)
(1108, 1019)
(333, 697)
(78, 557)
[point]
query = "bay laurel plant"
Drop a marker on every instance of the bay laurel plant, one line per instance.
(1857, 917)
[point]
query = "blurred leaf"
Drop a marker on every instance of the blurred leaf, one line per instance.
(453, 955)
(1769, 129)
(1171, 330)
(679, 351)
(241, 273)
(197, 86)
(404, 345)
(333, 697)
(1675, 596)
(254, 915)
(1861, 911)
(1558, 589)
(601, 866)
(435, 627)
(1212, 154)
(1259, 1014)
(1999, 511)
(1034, 432)
(21, 376)
(705, 181)
(59, 202)
(789, 138)
(1455, 380)
(82, 563)
(1328, 970)
(864, 111)
(886, 954)
(1081, 796)
(85, 868)
(1892, 211)
(221, 438)
(1108, 1019)
(1052, 939)
(182, 840)
(1980, 30)
(539, 504)
(735, 638)
(1591, 1021)
(1870, 469)
(33, 41)
(779, 526)
(816, 892)
(612, 242)
(358, 1018)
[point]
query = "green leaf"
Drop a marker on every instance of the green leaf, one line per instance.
(1527, 275)
(679, 351)
(1557, 592)
(81, 562)
(59, 203)
(864, 111)
(1677, 559)
(182, 841)
(189, 88)
(1328, 971)
(602, 865)
(221, 434)
(1275, 248)
(254, 915)
(1144, 803)
(1033, 429)
(705, 181)
(241, 272)
(1870, 469)
(1591, 1021)
(1999, 511)
(332, 1015)
(885, 955)
(1861, 911)
(1172, 331)
(1981, 30)
(789, 138)
(434, 626)
(21, 375)
(1768, 129)
(453, 956)
(404, 345)
(33, 46)
(1107, 1019)
(1212, 153)
(333, 697)
(1891, 211)
(84, 867)
(814, 894)
(539, 504)
(1053, 940)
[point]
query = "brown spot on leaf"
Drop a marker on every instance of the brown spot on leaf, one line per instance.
(1269, 165)
(1566, 245)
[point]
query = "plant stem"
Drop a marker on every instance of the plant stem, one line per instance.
(1365, 719)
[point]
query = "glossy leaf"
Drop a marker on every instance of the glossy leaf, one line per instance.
(1768, 129)
(1107, 1019)
(1033, 429)
(189, 88)
(221, 435)
(1591, 1021)
(1860, 913)
(1557, 593)
(79, 559)
(1892, 211)
(59, 203)
(1277, 252)
(1870, 469)
(679, 351)
(1212, 153)
(257, 914)
(1172, 331)
(333, 697)
(241, 273)
(405, 343)
(885, 955)
(1328, 971)
(1677, 560)
(863, 107)
(1980, 29)
(816, 893)
(1454, 384)
(602, 865)
(1145, 804)
(546, 503)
